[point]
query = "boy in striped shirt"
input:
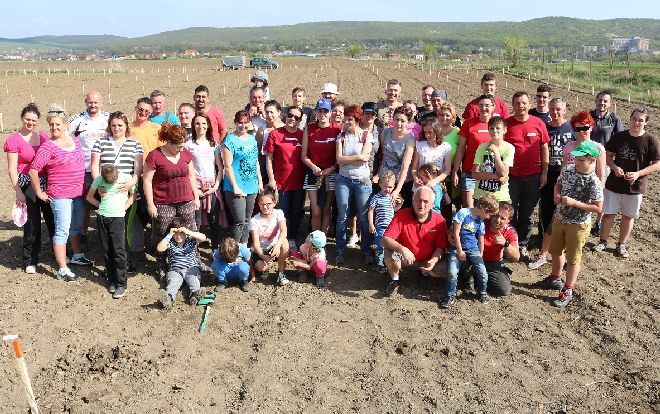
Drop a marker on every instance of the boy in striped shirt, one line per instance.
(181, 246)
(380, 215)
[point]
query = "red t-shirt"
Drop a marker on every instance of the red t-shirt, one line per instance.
(420, 238)
(472, 109)
(218, 122)
(288, 167)
(476, 133)
(171, 182)
(492, 250)
(527, 137)
(321, 144)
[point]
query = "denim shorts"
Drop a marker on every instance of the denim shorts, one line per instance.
(467, 182)
(68, 213)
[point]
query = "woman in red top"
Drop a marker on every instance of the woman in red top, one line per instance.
(318, 154)
(170, 186)
(284, 149)
(20, 148)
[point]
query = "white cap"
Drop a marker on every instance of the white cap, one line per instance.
(330, 88)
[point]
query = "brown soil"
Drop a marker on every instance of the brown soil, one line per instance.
(341, 349)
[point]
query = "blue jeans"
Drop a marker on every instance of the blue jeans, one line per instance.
(235, 272)
(378, 241)
(358, 191)
(68, 214)
(291, 203)
(472, 256)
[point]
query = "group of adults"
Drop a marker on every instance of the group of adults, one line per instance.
(187, 164)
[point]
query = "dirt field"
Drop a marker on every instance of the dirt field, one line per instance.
(342, 349)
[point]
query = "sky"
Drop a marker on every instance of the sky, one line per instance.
(131, 18)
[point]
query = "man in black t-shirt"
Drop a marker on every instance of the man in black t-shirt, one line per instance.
(543, 97)
(632, 155)
(607, 123)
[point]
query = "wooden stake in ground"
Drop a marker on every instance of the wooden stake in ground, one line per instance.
(2, 124)
(21, 367)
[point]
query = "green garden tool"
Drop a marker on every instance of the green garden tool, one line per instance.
(206, 301)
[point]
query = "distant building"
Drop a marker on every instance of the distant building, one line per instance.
(191, 53)
(586, 49)
(629, 44)
(419, 56)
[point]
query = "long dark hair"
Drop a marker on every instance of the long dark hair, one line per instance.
(209, 133)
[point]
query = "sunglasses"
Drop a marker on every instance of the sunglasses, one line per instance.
(583, 128)
(296, 117)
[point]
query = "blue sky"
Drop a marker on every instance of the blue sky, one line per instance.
(138, 18)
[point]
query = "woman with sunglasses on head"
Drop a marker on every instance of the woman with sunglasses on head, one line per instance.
(242, 176)
(398, 146)
(208, 173)
(21, 147)
(125, 153)
(286, 170)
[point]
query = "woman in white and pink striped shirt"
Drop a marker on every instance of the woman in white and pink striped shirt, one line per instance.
(64, 162)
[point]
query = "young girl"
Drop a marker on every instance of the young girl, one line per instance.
(181, 246)
(202, 148)
(311, 258)
(231, 262)
(413, 126)
(269, 228)
(431, 148)
(427, 174)
(111, 224)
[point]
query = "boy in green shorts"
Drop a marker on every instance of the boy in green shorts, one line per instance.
(578, 193)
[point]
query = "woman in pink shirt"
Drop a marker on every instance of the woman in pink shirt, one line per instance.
(20, 148)
(63, 161)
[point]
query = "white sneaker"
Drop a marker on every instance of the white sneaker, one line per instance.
(30, 269)
(353, 241)
(540, 261)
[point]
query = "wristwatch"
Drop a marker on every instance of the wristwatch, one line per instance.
(506, 244)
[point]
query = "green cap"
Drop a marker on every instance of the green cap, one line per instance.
(588, 148)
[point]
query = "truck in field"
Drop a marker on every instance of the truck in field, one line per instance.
(263, 62)
(234, 62)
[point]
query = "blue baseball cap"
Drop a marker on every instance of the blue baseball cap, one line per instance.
(324, 103)
(317, 238)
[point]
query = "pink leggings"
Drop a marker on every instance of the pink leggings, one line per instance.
(317, 268)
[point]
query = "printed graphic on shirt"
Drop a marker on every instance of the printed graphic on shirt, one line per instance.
(488, 166)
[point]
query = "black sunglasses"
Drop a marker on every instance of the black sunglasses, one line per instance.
(296, 117)
(583, 128)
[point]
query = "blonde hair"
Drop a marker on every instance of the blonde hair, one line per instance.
(389, 176)
(489, 204)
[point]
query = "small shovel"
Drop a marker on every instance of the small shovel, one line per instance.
(205, 301)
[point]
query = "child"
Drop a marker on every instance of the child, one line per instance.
(111, 225)
(578, 193)
(260, 80)
(426, 173)
(182, 265)
(468, 232)
(311, 258)
(379, 215)
(269, 228)
(231, 262)
(492, 161)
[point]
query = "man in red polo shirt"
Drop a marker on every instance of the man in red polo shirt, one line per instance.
(488, 87)
(529, 173)
(416, 237)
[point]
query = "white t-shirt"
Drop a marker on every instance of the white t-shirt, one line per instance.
(88, 131)
(203, 157)
(436, 155)
(268, 229)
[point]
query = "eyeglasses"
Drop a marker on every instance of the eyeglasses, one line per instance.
(583, 128)
(296, 117)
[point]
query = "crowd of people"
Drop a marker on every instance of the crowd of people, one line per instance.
(414, 185)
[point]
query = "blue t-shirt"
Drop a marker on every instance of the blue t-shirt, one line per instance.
(383, 210)
(160, 119)
(470, 227)
(221, 268)
(244, 163)
(437, 204)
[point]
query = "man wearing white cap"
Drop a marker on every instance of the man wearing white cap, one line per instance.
(330, 91)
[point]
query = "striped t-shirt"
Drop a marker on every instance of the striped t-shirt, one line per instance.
(182, 257)
(123, 159)
(65, 168)
(383, 210)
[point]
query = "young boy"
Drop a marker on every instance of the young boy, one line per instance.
(311, 258)
(269, 228)
(298, 101)
(379, 215)
(111, 225)
(181, 246)
(492, 161)
(578, 193)
(231, 262)
(468, 230)
(427, 172)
